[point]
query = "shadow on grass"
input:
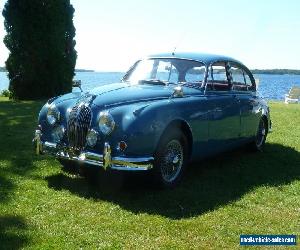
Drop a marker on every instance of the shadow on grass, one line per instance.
(11, 232)
(17, 123)
(5, 187)
(208, 185)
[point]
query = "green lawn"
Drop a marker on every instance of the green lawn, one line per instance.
(236, 193)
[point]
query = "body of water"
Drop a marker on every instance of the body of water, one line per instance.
(271, 87)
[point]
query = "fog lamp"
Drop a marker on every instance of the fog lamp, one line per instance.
(92, 137)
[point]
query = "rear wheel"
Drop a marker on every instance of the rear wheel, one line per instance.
(261, 135)
(171, 159)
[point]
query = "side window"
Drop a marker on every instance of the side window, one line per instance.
(219, 73)
(237, 75)
(195, 74)
(218, 77)
(248, 80)
(241, 81)
(238, 78)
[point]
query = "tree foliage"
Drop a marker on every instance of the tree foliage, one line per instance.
(40, 38)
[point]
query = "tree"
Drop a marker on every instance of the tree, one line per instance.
(40, 38)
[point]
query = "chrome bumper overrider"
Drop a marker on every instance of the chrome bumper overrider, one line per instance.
(105, 160)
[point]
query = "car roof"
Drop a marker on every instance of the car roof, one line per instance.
(202, 57)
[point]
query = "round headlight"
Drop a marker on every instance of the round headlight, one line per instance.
(91, 138)
(58, 133)
(53, 115)
(106, 122)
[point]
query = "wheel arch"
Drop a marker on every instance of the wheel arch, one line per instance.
(184, 127)
(265, 118)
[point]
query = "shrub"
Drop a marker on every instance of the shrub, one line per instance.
(6, 93)
(40, 38)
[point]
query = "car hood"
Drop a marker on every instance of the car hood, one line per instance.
(123, 93)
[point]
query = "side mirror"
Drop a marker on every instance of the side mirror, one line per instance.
(178, 92)
(77, 84)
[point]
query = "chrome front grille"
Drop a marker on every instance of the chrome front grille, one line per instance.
(78, 126)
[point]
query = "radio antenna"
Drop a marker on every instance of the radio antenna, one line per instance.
(179, 40)
(173, 53)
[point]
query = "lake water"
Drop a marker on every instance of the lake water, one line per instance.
(271, 87)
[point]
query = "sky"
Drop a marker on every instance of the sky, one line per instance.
(112, 34)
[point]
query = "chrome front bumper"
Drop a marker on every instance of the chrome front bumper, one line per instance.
(105, 160)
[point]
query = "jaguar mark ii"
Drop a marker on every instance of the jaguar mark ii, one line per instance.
(168, 110)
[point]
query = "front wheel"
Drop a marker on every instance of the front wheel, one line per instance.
(171, 159)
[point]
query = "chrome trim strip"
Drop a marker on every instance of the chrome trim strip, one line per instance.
(90, 158)
(131, 168)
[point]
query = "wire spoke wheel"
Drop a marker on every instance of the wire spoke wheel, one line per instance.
(261, 134)
(172, 161)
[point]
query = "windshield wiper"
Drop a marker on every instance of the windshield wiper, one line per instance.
(153, 81)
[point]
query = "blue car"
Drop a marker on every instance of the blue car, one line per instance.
(168, 110)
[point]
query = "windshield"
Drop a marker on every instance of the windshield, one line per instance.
(166, 71)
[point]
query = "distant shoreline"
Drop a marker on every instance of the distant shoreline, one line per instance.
(3, 69)
(276, 71)
(254, 71)
(84, 70)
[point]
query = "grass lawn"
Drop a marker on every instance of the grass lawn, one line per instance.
(236, 193)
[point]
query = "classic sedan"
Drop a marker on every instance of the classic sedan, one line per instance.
(168, 110)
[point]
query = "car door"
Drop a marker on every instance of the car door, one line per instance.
(224, 118)
(244, 87)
